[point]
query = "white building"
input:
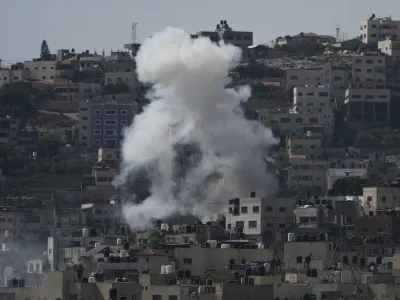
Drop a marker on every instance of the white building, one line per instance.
(312, 99)
(256, 214)
(389, 47)
(374, 30)
(48, 70)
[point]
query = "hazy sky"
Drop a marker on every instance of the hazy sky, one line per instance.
(98, 24)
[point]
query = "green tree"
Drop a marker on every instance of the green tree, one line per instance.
(47, 148)
(156, 237)
(351, 186)
(45, 51)
(368, 140)
(16, 100)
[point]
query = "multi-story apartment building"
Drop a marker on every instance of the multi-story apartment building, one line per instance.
(102, 119)
(255, 215)
(14, 74)
(48, 70)
(334, 77)
(91, 63)
(225, 33)
(378, 198)
(377, 29)
(312, 99)
(366, 107)
(389, 47)
(303, 145)
(369, 70)
(68, 94)
(119, 68)
(9, 130)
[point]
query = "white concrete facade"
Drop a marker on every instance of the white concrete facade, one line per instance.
(374, 30)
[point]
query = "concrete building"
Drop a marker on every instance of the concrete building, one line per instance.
(9, 130)
(48, 70)
(303, 145)
(336, 77)
(305, 172)
(377, 29)
(370, 71)
(378, 198)
(14, 74)
(255, 215)
(120, 68)
(389, 47)
(224, 32)
(312, 99)
(334, 174)
(102, 119)
(367, 107)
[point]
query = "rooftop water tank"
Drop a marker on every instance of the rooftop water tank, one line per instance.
(290, 237)
(91, 279)
(164, 226)
(6, 234)
(122, 253)
(225, 246)
(119, 241)
(163, 269)
(242, 280)
(85, 232)
(201, 289)
(267, 267)
(97, 245)
(261, 246)
(169, 269)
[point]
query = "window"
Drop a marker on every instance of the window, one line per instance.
(157, 297)
(323, 94)
(109, 132)
(364, 230)
(282, 209)
(97, 122)
(243, 209)
(110, 112)
(285, 120)
(97, 112)
(369, 61)
(300, 94)
(97, 132)
(313, 120)
(124, 112)
(256, 209)
(383, 199)
(84, 137)
(252, 224)
(124, 122)
(172, 297)
(269, 225)
(84, 127)
(282, 226)
(110, 122)
(83, 109)
(369, 70)
(96, 142)
(268, 208)
(187, 261)
(299, 120)
(239, 224)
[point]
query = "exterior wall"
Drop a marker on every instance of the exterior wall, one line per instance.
(379, 29)
(365, 107)
(309, 173)
(41, 70)
(129, 78)
(335, 174)
(369, 69)
(389, 47)
(108, 154)
(303, 146)
(378, 225)
(8, 130)
(98, 128)
(8, 76)
(322, 250)
(377, 198)
(198, 260)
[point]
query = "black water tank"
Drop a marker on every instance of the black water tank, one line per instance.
(112, 294)
(206, 245)
(187, 273)
(314, 273)
(117, 259)
(188, 229)
(321, 236)
(248, 271)
(313, 238)
(209, 282)
(126, 246)
(243, 261)
(299, 259)
(14, 282)
(111, 259)
(305, 237)
(261, 270)
(307, 259)
(253, 194)
(297, 238)
(107, 253)
(309, 273)
(235, 275)
(84, 280)
(159, 222)
(379, 260)
(180, 273)
(232, 261)
(362, 261)
(21, 283)
(345, 259)
(354, 260)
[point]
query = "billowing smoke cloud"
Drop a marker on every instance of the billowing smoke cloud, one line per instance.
(196, 148)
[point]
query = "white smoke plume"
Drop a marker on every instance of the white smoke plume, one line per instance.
(190, 104)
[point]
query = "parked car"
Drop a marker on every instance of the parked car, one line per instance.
(28, 198)
(13, 197)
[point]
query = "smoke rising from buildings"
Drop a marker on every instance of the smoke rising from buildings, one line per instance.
(195, 147)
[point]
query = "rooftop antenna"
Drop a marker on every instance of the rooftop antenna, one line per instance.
(134, 38)
(337, 33)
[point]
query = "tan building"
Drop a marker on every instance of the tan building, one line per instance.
(108, 154)
(304, 172)
(312, 99)
(389, 47)
(369, 70)
(377, 29)
(367, 107)
(377, 198)
(8, 76)
(48, 70)
(303, 145)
